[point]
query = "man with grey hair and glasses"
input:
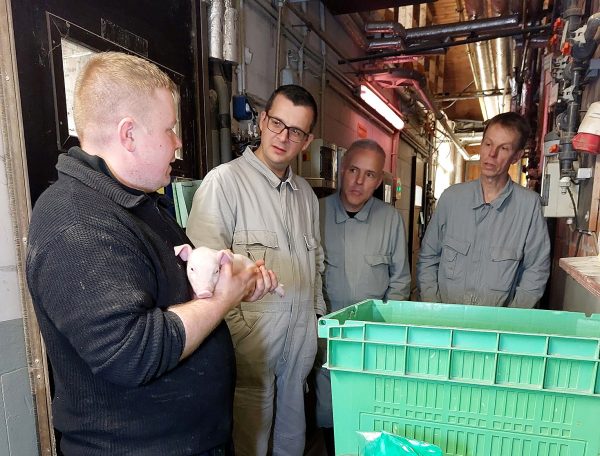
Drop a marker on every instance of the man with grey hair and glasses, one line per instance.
(257, 207)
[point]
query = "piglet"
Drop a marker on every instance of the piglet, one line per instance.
(204, 265)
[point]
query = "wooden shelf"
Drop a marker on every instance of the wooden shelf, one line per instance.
(584, 270)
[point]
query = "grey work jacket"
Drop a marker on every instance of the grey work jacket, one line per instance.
(365, 255)
(489, 254)
(243, 206)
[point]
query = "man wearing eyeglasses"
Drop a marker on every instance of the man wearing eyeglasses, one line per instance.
(257, 207)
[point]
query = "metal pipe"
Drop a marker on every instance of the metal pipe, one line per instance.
(567, 154)
(323, 70)
(224, 116)
(241, 49)
(487, 76)
(401, 76)
(278, 43)
(386, 43)
(385, 27)
(230, 38)
(467, 95)
(593, 23)
(463, 28)
(215, 29)
(418, 49)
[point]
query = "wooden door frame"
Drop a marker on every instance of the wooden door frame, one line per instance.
(12, 136)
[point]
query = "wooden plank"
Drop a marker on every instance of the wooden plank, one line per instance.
(585, 271)
(11, 135)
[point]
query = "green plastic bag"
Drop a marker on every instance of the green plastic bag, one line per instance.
(386, 444)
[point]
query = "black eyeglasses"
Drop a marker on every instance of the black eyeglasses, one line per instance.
(277, 126)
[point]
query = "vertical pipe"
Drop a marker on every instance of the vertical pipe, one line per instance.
(241, 49)
(230, 33)
(215, 29)
(323, 71)
(278, 42)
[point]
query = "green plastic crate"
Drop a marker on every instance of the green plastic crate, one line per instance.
(476, 381)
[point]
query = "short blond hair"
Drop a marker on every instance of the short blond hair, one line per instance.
(113, 85)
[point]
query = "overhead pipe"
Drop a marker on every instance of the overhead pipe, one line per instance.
(428, 47)
(406, 77)
(464, 28)
(487, 76)
(502, 58)
(386, 27)
(503, 69)
(386, 43)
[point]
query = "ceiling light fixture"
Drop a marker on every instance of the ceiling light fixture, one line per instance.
(381, 106)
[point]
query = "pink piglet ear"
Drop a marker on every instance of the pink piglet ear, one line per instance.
(224, 256)
(183, 251)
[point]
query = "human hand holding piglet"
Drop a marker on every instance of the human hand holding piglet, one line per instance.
(204, 267)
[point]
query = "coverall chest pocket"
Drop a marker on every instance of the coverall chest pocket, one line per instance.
(257, 245)
(454, 257)
(503, 269)
(311, 248)
(375, 280)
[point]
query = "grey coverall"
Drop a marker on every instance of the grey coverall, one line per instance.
(243, 206)
(365, 257)
(487, 254)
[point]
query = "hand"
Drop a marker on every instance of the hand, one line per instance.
(266, 282)
(232, 288)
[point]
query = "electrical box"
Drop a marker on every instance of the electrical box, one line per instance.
(555, 202)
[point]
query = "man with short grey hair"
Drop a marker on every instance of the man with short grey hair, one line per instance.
(365, 250)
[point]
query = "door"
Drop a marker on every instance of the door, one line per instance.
(52, 39)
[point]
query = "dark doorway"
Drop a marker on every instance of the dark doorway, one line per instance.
(50, 34)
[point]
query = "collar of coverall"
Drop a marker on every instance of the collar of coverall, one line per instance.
(340, 211)
(273, 178)
(478, 200)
